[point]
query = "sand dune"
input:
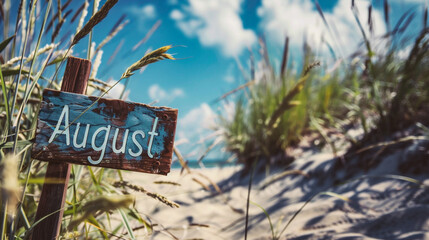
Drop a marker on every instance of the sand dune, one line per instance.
(378, 206)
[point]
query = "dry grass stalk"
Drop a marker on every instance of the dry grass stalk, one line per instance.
(100, 88)
(150, 194)
(216, 187)
(94, 20)
(82, 17)
(104, 204)
(154, 56)
(118, 48)
(311, 67)
(181, 160)
(96, 64)
(22, 18)
(59, 25)
(283, 67)
(287, 102)
(148, 34)
(79, 10)
(282, 175)
(111, 35)
(59, 11)
(99, 82)
(386, 9)
(44, 49)
(201, 184)
(168, 182)
(250, 83)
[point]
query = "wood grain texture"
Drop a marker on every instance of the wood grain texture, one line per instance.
(53, 195)
(122, 118)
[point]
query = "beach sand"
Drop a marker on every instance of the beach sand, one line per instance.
(378, 207)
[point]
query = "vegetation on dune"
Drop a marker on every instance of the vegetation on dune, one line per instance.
(381, 90)
(273, 112)
(31, 59)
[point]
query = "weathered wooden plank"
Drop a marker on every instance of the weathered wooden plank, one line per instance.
(53, 195)
(112, 134)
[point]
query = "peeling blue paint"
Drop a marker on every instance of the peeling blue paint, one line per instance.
(105, 112)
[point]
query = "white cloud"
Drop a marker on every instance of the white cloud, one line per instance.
(116, 92)
(195, 131)
(176, 15)
(143, 13)
(215, 23)
(149, 11)
(193, 127)
(299, 18)
(196, 122)
(156, 93)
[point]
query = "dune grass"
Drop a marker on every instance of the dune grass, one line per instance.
(384, 91)
(273, 112)
(31, 60)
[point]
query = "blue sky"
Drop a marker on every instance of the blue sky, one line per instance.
(211, 36)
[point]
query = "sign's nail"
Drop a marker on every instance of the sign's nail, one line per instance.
(155, 167)
(51, 105)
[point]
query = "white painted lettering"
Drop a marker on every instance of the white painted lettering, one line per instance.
(66, 131)
(85, 136)
(152, 134)
(101, 148)
(139, 146)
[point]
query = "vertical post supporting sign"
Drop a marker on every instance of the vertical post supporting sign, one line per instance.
(73, 128)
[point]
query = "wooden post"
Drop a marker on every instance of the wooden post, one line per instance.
(54, 194)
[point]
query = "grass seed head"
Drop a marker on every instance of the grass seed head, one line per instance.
(154, 56)
(94, 20)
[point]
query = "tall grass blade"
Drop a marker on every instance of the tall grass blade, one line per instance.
(6, 103)
(282, 175)
(252, 172)
(273, 235)
(286, 102)
(365, 38)
(398, 29)
(18, 78)
(127, 224)
(283, 67)
(332, 194)
(386, 9)
(370, 22)
(4, 44)
(28, 93)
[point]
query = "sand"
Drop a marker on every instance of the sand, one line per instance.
(379, 207)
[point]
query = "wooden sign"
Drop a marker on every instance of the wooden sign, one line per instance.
(112, 133)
